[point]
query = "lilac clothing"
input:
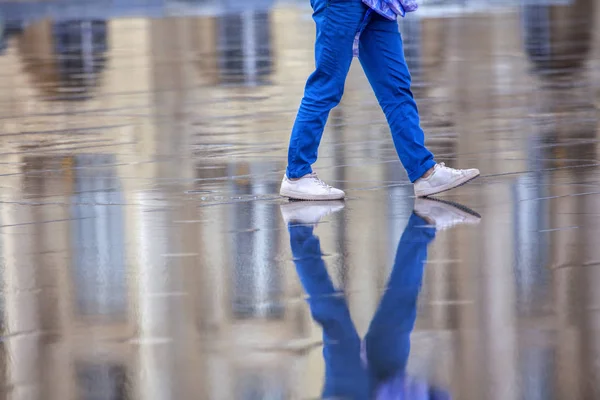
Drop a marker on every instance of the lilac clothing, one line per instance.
(389, 9)
(392, 9)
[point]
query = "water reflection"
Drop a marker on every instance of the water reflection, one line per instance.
(98, 237)
(258, 286)
(2, 34)
(558, 37)
(81, 48)
(101, 381)
(245, 53)
(150, 261)
(375, 367)
(65, 58)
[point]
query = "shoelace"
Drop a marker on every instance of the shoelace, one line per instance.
(319, 182)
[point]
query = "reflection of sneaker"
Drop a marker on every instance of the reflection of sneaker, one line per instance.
(309, 212)
(445, 214)
(443, 179)
(309, 187)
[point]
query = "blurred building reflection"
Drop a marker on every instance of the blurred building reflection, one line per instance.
(102, 382)
(65, 58)
(151, 263)
(81, 47)
(558, 37)
(2, 34)
(98, 242)
(245, 53)
(257, 280)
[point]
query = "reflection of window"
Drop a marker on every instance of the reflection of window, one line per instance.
(257, 280)
(245, 48)
(81, 50)
(536, 20)
(259, 385)
(101, 381)
(2, 37)
(98, 241)
(557, 39)
(538, 367)
(531, 244)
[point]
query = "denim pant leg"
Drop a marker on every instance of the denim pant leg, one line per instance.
(337, 23)
(382, 58)
(388, 338)
(345, 376)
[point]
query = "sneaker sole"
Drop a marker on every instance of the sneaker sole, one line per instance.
(447, 188)
(307, 197)
(462, 208)
(293, 205)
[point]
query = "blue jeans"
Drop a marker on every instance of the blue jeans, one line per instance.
(382, 58)
(388, 338)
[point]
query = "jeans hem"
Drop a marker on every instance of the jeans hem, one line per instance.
(298, 172)
(418, 174)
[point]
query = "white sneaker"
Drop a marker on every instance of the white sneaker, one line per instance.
(309, 187)
(309, 212)
(443, 179)
(445, 214)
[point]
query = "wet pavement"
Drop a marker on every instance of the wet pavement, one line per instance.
(147, 255)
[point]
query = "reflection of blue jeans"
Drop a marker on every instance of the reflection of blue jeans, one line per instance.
(388, 338)
(382, 58)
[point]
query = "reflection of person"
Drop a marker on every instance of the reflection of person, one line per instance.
(379, 372)
(382, 57)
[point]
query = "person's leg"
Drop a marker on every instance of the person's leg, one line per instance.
(345, 376)
(388, 338)
(337, 23)
(382, 58)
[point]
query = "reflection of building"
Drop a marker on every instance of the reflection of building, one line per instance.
(247, 289)
(102, 381)
(65, 58)
(245, 48)
(557, 38)
(98, 241)
(62, 297)
(81, 47)
(257, 279)
(180, 295)
(2, 34)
